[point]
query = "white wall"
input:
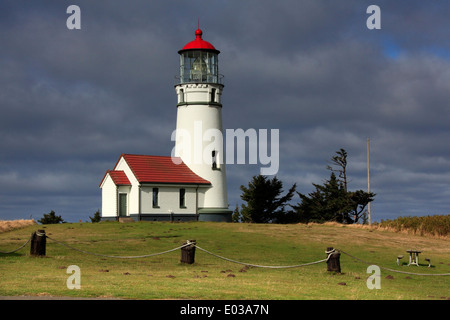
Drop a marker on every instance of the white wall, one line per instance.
(169, 199)
(140, 199)
(109, 198)
(210, 117)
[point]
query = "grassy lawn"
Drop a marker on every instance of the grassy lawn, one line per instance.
(164, 277)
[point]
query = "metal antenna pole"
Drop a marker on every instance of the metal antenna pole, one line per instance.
(368, 176)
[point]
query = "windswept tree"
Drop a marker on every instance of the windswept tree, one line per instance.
(340, 166)
(328, 202)
(264, 200)
(358, 201)
(332, 201)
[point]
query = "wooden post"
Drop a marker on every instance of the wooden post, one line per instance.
(333, 263)
(188, 252)
(38, 243)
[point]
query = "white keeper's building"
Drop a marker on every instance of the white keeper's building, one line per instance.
(183, 186)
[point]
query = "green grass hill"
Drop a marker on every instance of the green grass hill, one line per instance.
(211, 277)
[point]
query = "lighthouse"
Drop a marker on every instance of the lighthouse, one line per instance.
(198, 141)
(190, 184)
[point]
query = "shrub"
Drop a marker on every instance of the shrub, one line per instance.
(97, 217)
(51, 218)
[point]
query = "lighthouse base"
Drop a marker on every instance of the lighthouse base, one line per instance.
(214, 214)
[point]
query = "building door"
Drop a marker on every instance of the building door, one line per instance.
(122, 204)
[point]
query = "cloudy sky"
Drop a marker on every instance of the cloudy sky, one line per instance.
(72, 101)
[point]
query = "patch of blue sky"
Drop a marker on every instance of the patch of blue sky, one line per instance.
(391, 49)
(394, 50)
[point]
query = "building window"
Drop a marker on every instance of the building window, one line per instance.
(182, 198)
(155, 197)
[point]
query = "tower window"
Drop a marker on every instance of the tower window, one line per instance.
(182, 198)
(214, 160)
(181, 95)
(213, 95)
(155, 197)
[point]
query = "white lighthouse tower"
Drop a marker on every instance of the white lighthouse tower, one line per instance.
(199, 132)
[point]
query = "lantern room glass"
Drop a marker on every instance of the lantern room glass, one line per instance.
(199, 66)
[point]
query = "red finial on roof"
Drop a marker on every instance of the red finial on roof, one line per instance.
(199, 43)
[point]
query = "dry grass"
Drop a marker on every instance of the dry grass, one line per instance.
(343, 236)
(7, 225)
(381, 227)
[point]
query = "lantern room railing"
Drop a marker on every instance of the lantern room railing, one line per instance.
(200, 78)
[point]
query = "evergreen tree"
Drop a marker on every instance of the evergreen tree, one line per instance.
(236, 216)
(327, 202)
(358, 201)
(264, 200)
(332, 201)
(97, 217)
(340, 160)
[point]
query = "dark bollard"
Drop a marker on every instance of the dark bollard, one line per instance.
(188, 252)
(333, 262)
(38, 243)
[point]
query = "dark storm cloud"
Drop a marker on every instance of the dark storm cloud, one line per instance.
(415, 25)
(73, 101)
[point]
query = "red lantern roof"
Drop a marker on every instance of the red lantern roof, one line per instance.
(198, 43)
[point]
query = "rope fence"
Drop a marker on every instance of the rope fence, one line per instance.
(8, 252)
(117, 257)
(332, 253)
(261, 266)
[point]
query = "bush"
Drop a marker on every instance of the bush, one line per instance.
(97, 217)
(51, 218)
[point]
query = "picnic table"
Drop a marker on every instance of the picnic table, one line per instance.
(413, 257)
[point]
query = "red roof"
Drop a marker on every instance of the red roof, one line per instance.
(160, 169)
(199, 43)
(119, 177)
